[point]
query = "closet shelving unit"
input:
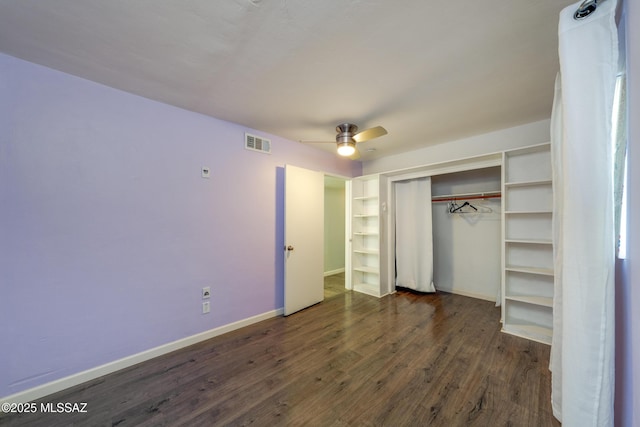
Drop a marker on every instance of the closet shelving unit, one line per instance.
(528, 276)
(366, 235)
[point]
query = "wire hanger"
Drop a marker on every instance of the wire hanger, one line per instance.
(453, 207)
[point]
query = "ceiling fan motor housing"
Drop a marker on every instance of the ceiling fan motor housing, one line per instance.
(346, 132)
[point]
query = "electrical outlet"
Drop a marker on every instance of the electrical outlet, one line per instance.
(206, 307)
(206, 292)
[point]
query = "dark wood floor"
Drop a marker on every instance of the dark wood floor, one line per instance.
(402, 360)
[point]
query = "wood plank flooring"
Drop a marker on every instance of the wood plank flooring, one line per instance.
(353, 360)
(334, 285)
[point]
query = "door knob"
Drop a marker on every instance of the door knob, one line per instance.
(289, 248)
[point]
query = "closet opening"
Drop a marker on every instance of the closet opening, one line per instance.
(445, 233)
(335, 232)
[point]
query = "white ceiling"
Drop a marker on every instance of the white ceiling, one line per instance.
(427, 71)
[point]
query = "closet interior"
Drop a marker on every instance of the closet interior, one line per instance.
(466, 216)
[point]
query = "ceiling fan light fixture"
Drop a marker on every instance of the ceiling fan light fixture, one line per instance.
(346, 148)
(348, 136)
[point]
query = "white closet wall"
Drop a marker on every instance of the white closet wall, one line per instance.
(467, 247)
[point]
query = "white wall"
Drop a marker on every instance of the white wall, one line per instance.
(505, 139)
(466, 256)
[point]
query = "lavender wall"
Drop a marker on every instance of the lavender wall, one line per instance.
(628, 319)
(108, 232)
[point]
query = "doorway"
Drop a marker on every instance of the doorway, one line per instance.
(335, 223)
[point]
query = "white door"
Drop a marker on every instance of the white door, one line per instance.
(303, 238)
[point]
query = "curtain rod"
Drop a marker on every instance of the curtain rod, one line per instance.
(453, 198)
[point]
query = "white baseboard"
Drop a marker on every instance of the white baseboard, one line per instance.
(93, 373)
(469, 294)
(332, 272)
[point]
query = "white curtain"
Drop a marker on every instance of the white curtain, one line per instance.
(582, 353)
(414, 236)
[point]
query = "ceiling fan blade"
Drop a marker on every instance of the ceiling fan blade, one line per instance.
(355, 155)
(317, 142)
(368, 134)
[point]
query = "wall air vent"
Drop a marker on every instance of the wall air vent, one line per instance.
(255, 143)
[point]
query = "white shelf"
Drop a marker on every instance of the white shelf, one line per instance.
(528, 281)
(527, 212)
(530, 241)
(532, 332)
(527, 183)
(367, 288)
(367, 269)
(530, 270)
(536, 300)
(365, 232)
(367, 251)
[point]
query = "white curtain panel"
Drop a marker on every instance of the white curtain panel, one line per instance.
(414, 235)
(582, 352)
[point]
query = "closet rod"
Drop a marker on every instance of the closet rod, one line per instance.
(463, 197)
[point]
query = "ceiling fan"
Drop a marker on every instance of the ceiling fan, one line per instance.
(348, 136)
